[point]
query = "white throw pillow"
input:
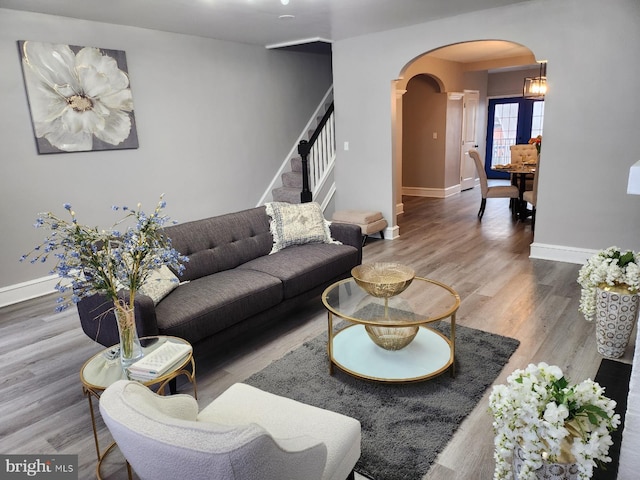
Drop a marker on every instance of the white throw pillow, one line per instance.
(159, 284)
(297, 224)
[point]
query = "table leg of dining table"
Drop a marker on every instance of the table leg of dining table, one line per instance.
(523, 213)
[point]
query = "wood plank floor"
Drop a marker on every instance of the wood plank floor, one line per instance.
(42, 409)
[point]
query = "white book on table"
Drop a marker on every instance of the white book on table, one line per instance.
(159, 361)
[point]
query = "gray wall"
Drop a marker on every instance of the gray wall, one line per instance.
(215, 120)
(591, 114)
(424, 112)
(508, 84)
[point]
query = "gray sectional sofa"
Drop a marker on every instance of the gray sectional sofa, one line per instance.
(232, 284)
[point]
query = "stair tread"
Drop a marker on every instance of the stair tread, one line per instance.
(292, 179)
(296, 164)
(287, 189)
(286, 194)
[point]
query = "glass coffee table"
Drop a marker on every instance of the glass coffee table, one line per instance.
(371, 345)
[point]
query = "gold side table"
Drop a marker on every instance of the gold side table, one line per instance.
(100, 371)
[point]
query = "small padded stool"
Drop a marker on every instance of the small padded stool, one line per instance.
(369, 222)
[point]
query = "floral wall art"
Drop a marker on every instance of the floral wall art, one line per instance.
(79, 97)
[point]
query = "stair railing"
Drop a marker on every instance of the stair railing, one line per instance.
(286, 163)
(317, 154)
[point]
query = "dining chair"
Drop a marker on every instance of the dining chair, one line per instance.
(523, 153)
(495, 191)
(531, 197)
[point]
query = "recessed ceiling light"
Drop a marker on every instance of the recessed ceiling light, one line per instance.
(284, 2)
(286, 17)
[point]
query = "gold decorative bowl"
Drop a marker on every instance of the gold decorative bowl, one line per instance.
(383, 279)
(391, 338)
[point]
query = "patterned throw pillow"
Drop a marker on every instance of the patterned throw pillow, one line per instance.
(159, 284)
(297, 224)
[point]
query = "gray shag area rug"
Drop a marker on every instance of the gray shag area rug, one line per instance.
(404, 426)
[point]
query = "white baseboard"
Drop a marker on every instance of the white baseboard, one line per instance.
(391, 233)
(560, 253)
(27, 290)
(430, 192)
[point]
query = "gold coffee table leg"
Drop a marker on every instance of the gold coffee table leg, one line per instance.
(330, 341)
(453, 345)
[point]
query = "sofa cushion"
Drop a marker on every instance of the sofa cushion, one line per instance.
(304, 267)
(159, 284)
(221, 243)
(297, 224)
(205, 306)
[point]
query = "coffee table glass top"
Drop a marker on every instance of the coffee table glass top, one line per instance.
(424, 301)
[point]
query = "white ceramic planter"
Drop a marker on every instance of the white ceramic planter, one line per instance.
(616, 315)
(548, 471)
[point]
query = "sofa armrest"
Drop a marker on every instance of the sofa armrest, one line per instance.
(99, 322)
(348, 234)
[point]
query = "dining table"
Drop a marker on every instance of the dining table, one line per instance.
(519, 172)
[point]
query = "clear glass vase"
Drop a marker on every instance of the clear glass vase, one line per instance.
(130, 348)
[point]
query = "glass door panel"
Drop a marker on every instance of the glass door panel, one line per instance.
(537, 119)
(505, 127)
(511, 121)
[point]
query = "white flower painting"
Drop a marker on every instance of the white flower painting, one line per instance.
(80, 98)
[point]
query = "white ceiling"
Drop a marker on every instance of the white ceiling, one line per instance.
(257, 21)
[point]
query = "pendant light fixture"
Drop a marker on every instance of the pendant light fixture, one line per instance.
(536, 87)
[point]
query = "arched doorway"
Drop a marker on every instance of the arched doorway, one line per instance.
(489, 67)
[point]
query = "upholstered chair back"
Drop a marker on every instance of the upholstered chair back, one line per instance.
(523, 153)
(162, 438)
(482, 175)
(536, 177)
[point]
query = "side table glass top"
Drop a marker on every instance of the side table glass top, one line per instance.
(99, 371)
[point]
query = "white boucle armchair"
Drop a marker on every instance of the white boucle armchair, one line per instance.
(244, 434)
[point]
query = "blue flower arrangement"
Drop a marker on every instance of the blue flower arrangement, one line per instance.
(91, 261)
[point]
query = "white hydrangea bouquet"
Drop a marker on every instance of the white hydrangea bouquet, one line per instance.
(550, 421)
(608, 268)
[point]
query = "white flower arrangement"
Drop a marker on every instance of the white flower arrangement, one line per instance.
(609, 267)
(538, 411)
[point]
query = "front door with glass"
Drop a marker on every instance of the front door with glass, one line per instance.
(510, 121)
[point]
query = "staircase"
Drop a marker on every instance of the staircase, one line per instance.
(291, 183)
(288, 183)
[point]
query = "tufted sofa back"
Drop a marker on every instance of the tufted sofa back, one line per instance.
(221, 243)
